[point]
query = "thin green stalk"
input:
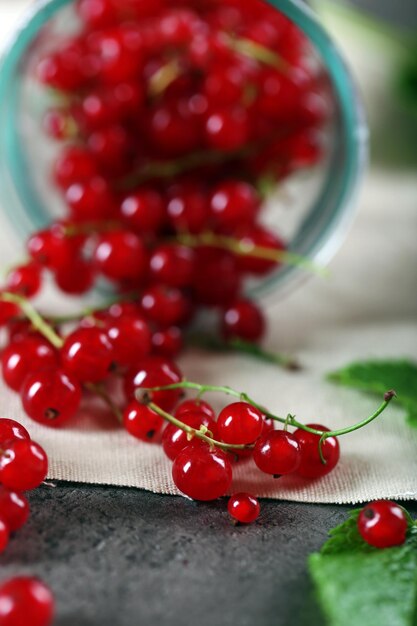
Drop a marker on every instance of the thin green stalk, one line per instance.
(192, 432)
(242, 248)
(290, 419)
(34, 317)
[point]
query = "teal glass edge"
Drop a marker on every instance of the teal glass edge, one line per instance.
(337, 195)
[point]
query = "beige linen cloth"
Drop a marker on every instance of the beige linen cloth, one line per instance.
(366, 309)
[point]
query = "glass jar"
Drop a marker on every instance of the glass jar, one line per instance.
(321, 202)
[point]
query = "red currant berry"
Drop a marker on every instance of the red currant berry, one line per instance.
(311, 465)
(195, 405)
(11, 430)
(202, 473)
(167, 342)
(224, 85)
(130, 339)
(144, 211)
(23, 465)
(165, 306)
(51, 396)
(87, 355)
(24, 357)
(240, 423)
(227, 129)
(119, 53)
(4, 534)
(8, 310)
(243, 320)
(172, 265)
(75, 277)
(212, 263)
(121, 256)
(141, 422)
(277, 453)
(75, 164)
(234, 203)
(14, 509)
(188, 209)
(244, 508)
(155, 372)
(97, 13)
(25, 601)
(257, 236)
(25, 280)
(90, 200)
(383, 524)
(175, 439)
(172, 131)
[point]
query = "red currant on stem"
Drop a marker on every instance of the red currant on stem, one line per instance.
(26, 600)
(277, 453)
(239, 423)
(121, 256)
(383, 524)
(195, 405)
(311, 465)
(141, 422)
(243, 508)
(23, 357)
(154, 372)
(202, 473)
(25, 279)
(130, 338)
(167, 342)
(87, 355)
(175, 438)
(11, 430)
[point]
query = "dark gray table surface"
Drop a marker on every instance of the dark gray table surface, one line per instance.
(125, 557)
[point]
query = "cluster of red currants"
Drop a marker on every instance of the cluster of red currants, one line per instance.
(173, 116)
(23, 467)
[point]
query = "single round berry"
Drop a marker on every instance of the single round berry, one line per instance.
(73, 165)
(243, 319)
(4, 534)
(87, 355)
(202, 473)
(188, 208)
(167, 342)
(166, 306)
(144, 211)
(51, 396)
(24, 357)
(233, 204)
(240, 423)
(155, 372)
(8, 310)
(175, 439)
(227, 129)
(130, 339)
(14, 508)
(90, 200)
(311, 465)
(256, 236)
(25, 280)
(172, 265)
(11, 430)
(23, 465)
(141, 422)
(75, 277)
(211, 264)
(121, 256)
(244, 508)
(25, 601)
(193, 405)
(383, 524)
(277, 453)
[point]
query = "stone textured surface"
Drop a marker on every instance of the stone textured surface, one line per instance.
(124, 557)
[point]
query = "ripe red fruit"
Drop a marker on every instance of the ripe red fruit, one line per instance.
(202, 473)
(155, 372)
(90, 200)
(11, 430)
(25, 280)
(233, 204)
(188, 208)
(278, 452)
(20, 358)
(25, 601)
(311, 465)
(51, 396)
(144, 211)
(23, 465)
(4, 534)
(167, 342)
(166, 306)
(243, 319)
(227, 129)
(172, 265)
(121, 256)
(383, 524)
(8, 310)
(130, 338)
(175, 439)
(73, 165)
(141, 422)
(240, 423)
(244, 508)
(211, 264)
(87, 355)
(257, 236)
(193, 405)
(14, 508)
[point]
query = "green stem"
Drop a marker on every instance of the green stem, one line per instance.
(241, 248)
(290, 419)
(192, 432)
(254, 50)
(215, 344)
(34, 317)
(163, 77)
(91, 228)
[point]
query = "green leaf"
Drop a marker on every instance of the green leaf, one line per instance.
(380, 376)
(358, 584)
